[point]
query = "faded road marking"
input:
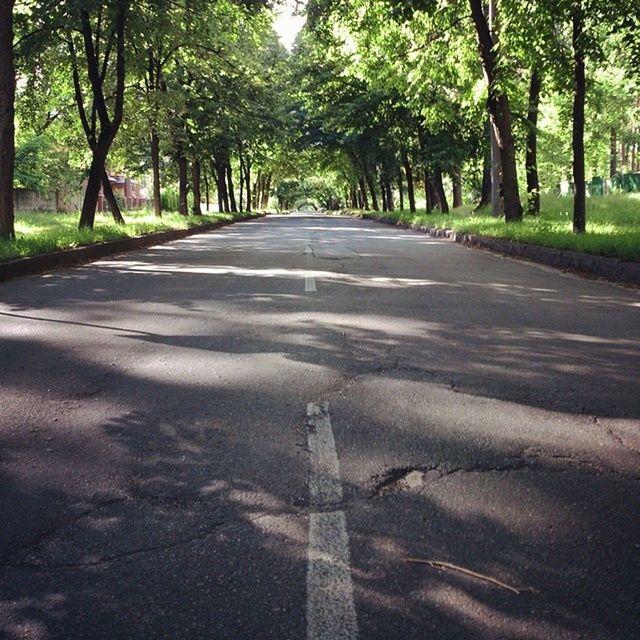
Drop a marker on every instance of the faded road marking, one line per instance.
(324, 483)
(310, 283)
(309, 278)
(331, 613)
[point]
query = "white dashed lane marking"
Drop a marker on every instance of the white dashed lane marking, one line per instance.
(309, 278)
(331, 613)
(310, 283)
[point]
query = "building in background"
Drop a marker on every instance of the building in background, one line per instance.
(130, 194)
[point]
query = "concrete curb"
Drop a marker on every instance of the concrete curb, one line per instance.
(613, 269)
(72, 257)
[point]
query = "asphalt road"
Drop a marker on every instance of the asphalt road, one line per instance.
(246, 434)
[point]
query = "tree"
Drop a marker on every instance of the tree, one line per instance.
(579, 95)
(531, 162)
(43, 164)
(7, 110)
(160, 33)
(500, 112)
(102, 35)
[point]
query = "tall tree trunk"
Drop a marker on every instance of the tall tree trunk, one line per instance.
(442, 196)
(500, 115)
(7, 129)
(456, 179)
(92, 191)
(531, 161)
(155, 167)
(432, 194)
(495, 174)
(497, 205)
(485, 193)
(372, 189)
(636, 146)
(241, 200)
(154, 83)
(408, 172)
(110, 197)
(205, 179)
(580, 191)
(256, 190)
(196, 174)
(383, 192)
(429, 192)
(363, 193)
(226, 206)
(232, 193)
(389, 195)
(266, 192)
(220, 165)
(247, 178)
(613, 158)
(109, 125)
(220, 191)
(510, 192)
(401, 188)
(183, 185)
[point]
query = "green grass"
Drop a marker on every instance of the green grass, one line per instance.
(45, 232)
(613, 225)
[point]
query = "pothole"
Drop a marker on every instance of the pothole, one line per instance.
(412, 479)
(404, 479)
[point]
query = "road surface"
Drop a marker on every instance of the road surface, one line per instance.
(246, 434)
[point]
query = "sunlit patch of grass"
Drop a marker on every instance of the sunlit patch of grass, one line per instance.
(46, 232)
(613, 225)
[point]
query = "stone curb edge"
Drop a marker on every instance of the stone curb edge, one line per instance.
(71, 257)
(613, 269)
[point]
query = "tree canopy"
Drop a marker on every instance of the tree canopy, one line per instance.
(377, 100)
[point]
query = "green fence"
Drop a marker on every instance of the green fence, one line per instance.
(623, 183)
(628, 182)
(596, 187)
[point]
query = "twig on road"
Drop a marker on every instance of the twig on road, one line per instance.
(438, 564)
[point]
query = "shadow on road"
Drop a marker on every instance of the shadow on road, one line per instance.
(160, 495)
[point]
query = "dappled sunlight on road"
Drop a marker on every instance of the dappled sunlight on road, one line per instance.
(221, 270)
(153, 426)
(556, 296)
(484, 619)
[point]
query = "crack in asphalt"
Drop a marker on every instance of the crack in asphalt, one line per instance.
(398, 479)
(32, 543)
(156, 501)
(158, 548)
(117, 556)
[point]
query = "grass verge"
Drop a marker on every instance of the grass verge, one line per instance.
(39, 233)
(613, 225)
